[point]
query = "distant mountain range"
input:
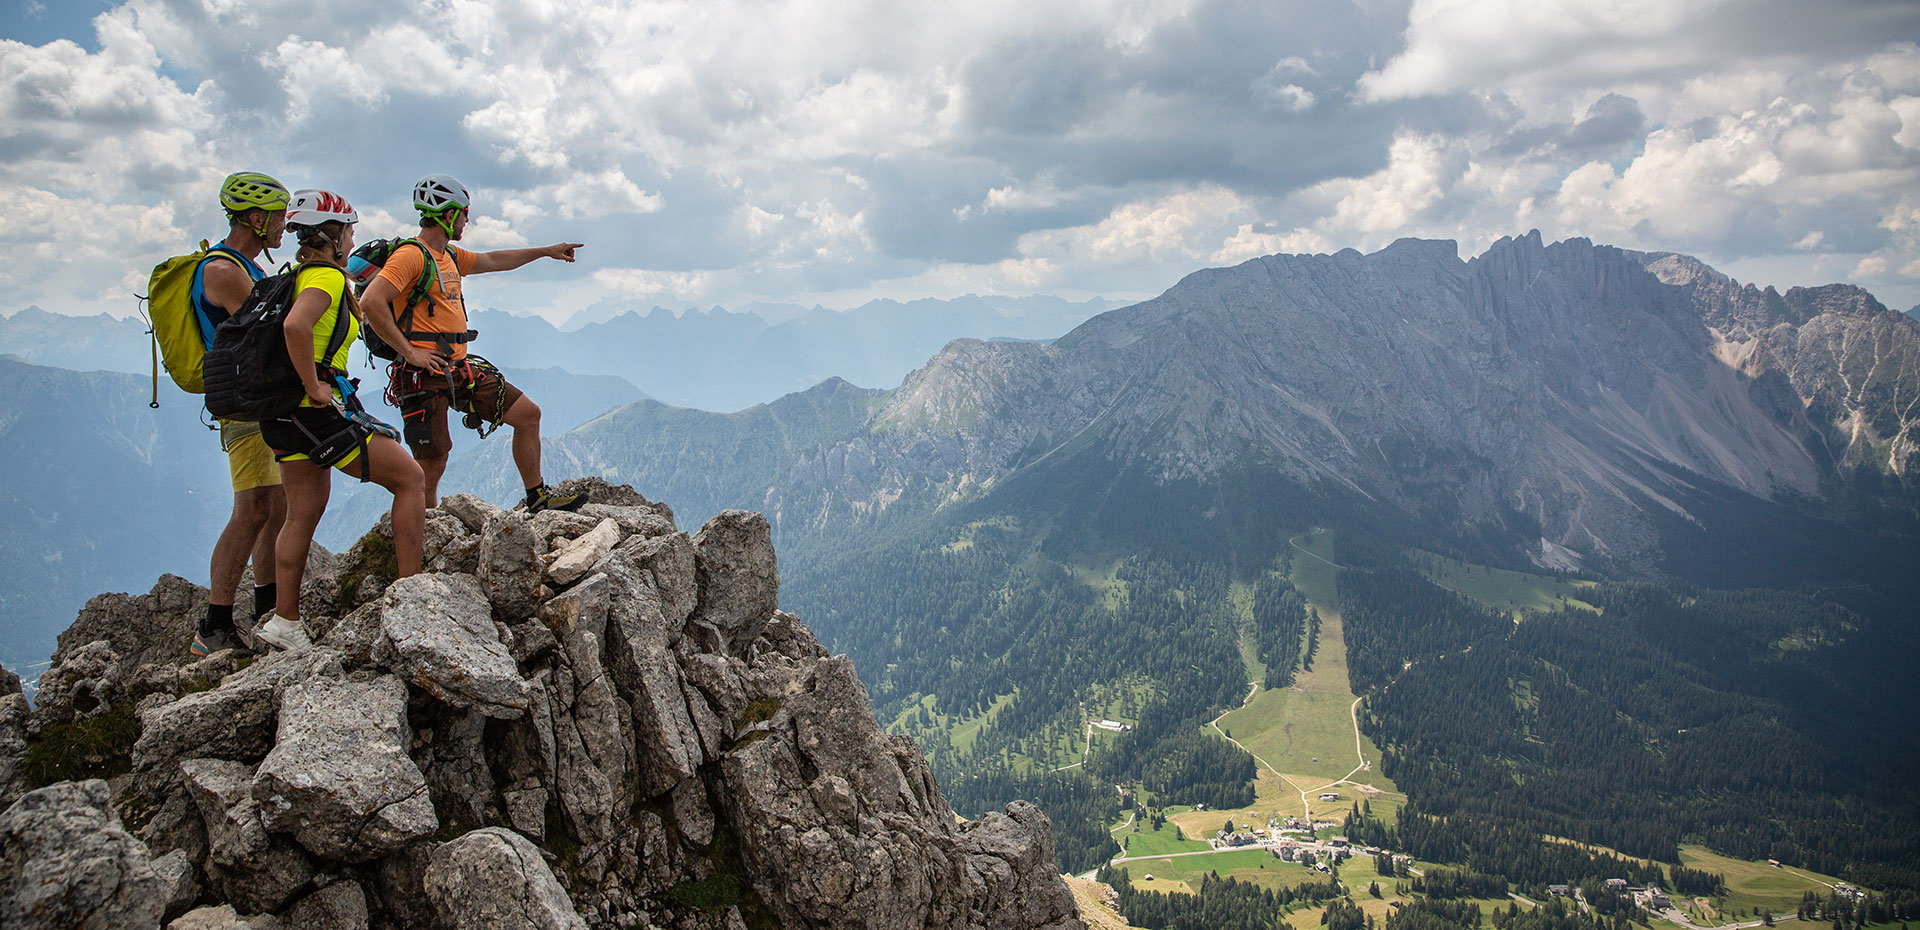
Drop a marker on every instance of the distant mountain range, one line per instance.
(713, 359)
(1571, 404)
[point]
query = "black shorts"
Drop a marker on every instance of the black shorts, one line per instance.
(320, 435)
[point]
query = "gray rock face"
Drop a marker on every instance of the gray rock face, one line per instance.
(245, 864)
(437, 631)
(15, 712)
(510, 566)
(738, 574)
(66, 862)
(339, 906)
(471, 511)
(576, 558)
(658, 727)
(233, 721)
(339, 778)
(494, 879)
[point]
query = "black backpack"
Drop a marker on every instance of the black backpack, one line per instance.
(373, 256)
(248, 373)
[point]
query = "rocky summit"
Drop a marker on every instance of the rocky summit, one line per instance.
(569, 720)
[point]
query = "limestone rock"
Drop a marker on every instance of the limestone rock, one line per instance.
(447, 545)
(223, 917)
(552, 526)
(739, 576)
(642, 521)
(510, 566)
(437, 632)
(339, 906)
(339, 778)
(151, 629)
(494, 879)
(670, 560)
(233, 721)
(87, 680)
(177, 884)
(66, 862)
(15, 712)
(245, 864)
(575, 559)
(471, 511)
(354, 636)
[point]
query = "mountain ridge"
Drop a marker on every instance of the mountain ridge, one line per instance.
(1569, 397)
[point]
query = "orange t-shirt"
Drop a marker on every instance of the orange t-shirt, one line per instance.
(444, 310)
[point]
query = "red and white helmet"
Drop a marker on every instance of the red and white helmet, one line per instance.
(312, 207)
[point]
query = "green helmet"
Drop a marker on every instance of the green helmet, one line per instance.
(251, 190)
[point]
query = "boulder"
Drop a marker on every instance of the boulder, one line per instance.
(575, 559)
(509, 569)
(245, 864)
(89, 680)
(223, 917)
(233, 721)
(437, 632)
(177, 883)
(553, 527)
(494, 879)
(472, 512)
(738, 574)
(634, 521)
(151, 629)
(339, 778)
(339, 906)
(66, 862)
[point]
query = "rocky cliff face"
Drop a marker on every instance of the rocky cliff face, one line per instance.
(573, 720)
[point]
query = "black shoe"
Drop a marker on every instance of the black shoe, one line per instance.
(206, 644)
(545, 498)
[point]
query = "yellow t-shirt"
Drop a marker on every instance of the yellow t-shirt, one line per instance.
(333, 283)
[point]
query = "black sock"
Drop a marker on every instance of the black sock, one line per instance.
(219, 617)
(263, 598)
(533, 493)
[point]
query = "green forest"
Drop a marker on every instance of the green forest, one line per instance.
(1760, 723)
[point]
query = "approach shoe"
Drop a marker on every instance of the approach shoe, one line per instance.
(281, 633)
(545, 497)
(223, 640)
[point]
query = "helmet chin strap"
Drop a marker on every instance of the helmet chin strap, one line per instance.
(440, 218)
(260, 230)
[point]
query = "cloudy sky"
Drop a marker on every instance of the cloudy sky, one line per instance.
(728, 151)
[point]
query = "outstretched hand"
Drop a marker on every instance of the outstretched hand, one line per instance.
(563, 251)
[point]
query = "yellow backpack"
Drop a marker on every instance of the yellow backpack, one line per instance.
(181, 333)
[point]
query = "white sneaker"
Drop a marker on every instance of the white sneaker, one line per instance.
(281, 633)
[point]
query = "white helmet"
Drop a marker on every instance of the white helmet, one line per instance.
(313, 207)
(437, 192)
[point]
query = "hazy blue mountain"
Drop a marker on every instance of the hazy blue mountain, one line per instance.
(713, 359)
(102, 494)
(79, 343)
(723, 360)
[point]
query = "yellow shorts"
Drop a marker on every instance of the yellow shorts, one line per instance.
(248, 458)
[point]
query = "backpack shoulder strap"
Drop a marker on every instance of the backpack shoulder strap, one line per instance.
(429, 276)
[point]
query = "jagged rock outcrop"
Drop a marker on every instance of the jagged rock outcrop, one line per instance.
(588, 720)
